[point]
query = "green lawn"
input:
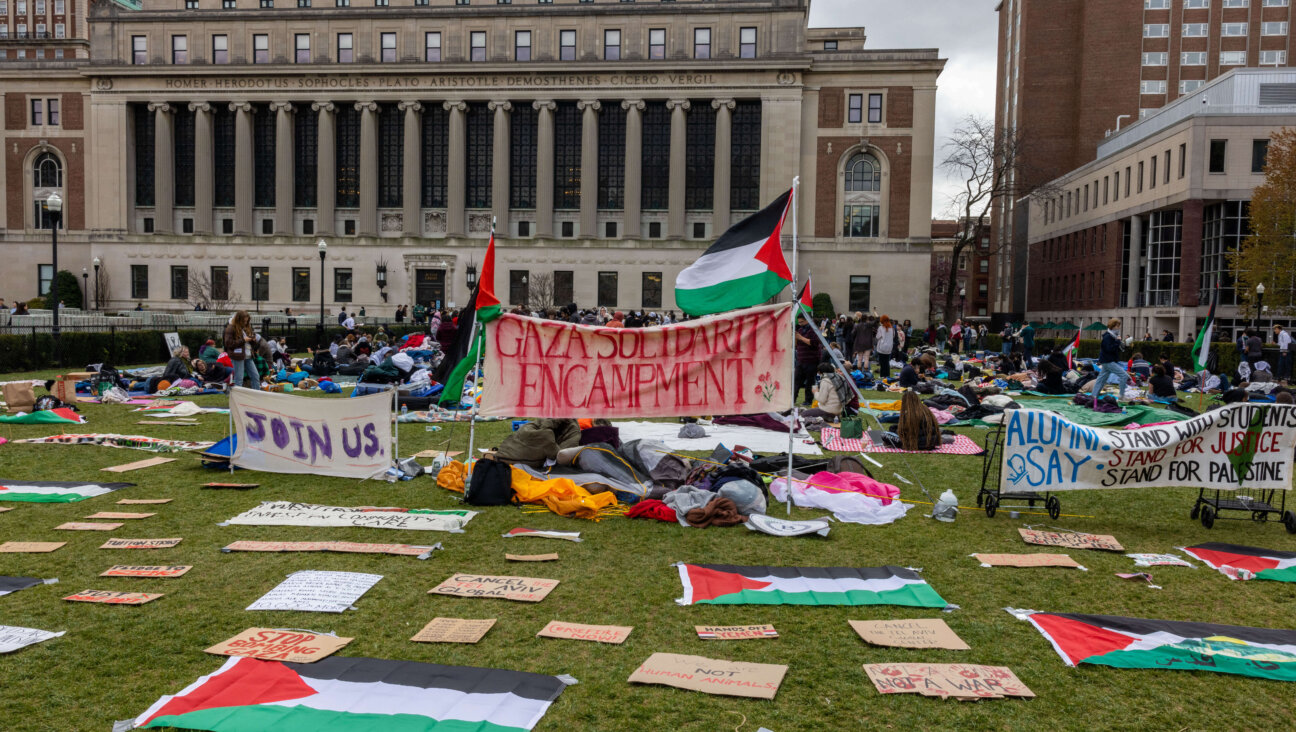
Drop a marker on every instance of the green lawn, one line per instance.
(115, 661)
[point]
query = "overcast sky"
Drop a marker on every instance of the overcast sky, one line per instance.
(965, 33)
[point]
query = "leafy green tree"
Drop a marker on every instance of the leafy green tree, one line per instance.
(69, 290)
(1271, 247)
(823, 305)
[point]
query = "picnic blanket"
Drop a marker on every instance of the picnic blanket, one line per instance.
(832, 440)
(758, 440)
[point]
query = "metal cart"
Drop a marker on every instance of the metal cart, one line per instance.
(1258, 507)
(991, 498)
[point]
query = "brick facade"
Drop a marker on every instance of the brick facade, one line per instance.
(17, 149)
(896, 149)
(73, 111)
(15, 106)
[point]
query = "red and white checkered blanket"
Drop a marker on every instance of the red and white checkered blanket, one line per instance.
(832, 440)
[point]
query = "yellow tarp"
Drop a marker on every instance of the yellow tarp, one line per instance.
(560, 495)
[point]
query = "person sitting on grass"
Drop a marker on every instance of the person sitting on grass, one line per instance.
(909, 377)
(209, 352)
(1052, 368)
(176, 370)
(210, 373)
(827, 394)
(1162, 384)
(917, 428)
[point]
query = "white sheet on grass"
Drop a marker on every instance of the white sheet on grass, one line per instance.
(854, 508)
(759, 440)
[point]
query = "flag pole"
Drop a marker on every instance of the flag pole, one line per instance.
(476, 371)
(796, 306)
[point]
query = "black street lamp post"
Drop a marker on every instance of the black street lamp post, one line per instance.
(319, 329)
(98, 284)
(1260, 290)
(54, 207)
(85, 289)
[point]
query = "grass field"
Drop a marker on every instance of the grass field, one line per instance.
(115, 661)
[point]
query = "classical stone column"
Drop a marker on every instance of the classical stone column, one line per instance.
(204, 167)
(720, 193)
(545, 168)
(1135, 254)
(411, 181)
(243, 182)
(500, 164)
(368, 219)
(325, 169)
(589, 168)
(284, 146)
(632, 220)
(163, 168)
(678, 165)
(456, 169)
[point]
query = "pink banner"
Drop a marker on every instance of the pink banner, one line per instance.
(735, 363)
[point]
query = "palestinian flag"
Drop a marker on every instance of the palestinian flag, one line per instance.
(1106, 640)
(42, 491)
(743, 268)
(1071, 348)
(805, 301)
(482, 307)
(723, 584)
(13, 584)
(62, 415)
(1269, 564)
(1201, 349)
(356, 695)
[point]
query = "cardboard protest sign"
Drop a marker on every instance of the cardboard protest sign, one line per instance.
(30, 547)
(288, 513)
(317, 592)
(79, 526)
(732, 363)
(1071, 540)
(1027, 560)
(521, 589)
(915, 633)
(453, 630)
(1238, 446)
(349, 547)
(140, 543)
(137, 465)
(128, 570)
(119, 515)
(281, 433)
(614, 634)
(291, 646)
(565, 535)
(531, 557)
(113, 598)
(438, 453)
(13, 637)
(142, 501)
(735, 632)
(946, 680)
(3, 509)
(727, 678)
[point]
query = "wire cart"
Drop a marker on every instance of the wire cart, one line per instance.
(1257, 507)
(991, 498)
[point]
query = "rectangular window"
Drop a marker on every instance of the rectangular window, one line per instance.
(1273, 29)
(875, 109)
(1275, 3)
(1190, 4)
(657, 43)
(701, 43)
(60, 30)
(564, 286)
(1190, 30)
(652, 290)
(260, 284)
(1140, 177)
(1152, 179)
(260, 48)
(1259, 155)
(345, 48)
(477, 45)
(220, 283)
(1183, 159)
(38, 111)
(1166, 167)
(388, 46)
(830, 45)
(1157, 58)
(567, 45)
(1116, 186)
(1152, 86)
(342, 3)
(301, 43)
(1156, 4)
(1106, 189)
(301, 287)
(1273, 58)
(179, 282)
(518, 290)
(607, 289)
(381, 3)
(746, 43)
(228, 4)
(1127, 180)
(59, 6)
(139, 282)
(1234, 30)
(1192, 58)
(860, 221)
(855, 108)
(44, 278)
(1156, 30)
(220, 49)
(139, 49)
(859, 294)
(522, 46)
(432, 46)
(1188, 86)
(611, 45)
(1237, 3)
(342, 284)
(1218, 149)
(1232, 58)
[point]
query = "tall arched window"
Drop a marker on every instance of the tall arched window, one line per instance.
(863, 173)
(862, 196)
(47, 178)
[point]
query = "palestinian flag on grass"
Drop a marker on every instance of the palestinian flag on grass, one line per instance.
(42, 491)
(1201, 349)
(62, 415)
(1269, 564)
(1106, 640)
(723, 584)
(13, 584)
(743, 268)
(356, 695)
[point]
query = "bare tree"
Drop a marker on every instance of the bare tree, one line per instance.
(102, 286)
(211, 294)
(994, 165)
(540, 292)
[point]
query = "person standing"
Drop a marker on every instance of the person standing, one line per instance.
(862, 342)
(348, 323)
(807, 360)
(238, 346)
(884, 343)
(1028, 342)
(1254, 348)
(1109, 363)
(981, 334)
(1284, 340)
(956, 336)
(1007, 336)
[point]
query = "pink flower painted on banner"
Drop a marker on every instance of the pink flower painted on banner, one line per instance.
(767, 386)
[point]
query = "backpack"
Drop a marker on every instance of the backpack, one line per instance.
(491, 483)
(324, 365)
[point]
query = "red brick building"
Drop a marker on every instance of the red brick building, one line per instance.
(970, 274)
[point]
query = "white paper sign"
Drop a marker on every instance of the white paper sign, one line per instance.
(317, 592)
(281, 433)
(13, 637)
(172, 342)
(288, 513)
